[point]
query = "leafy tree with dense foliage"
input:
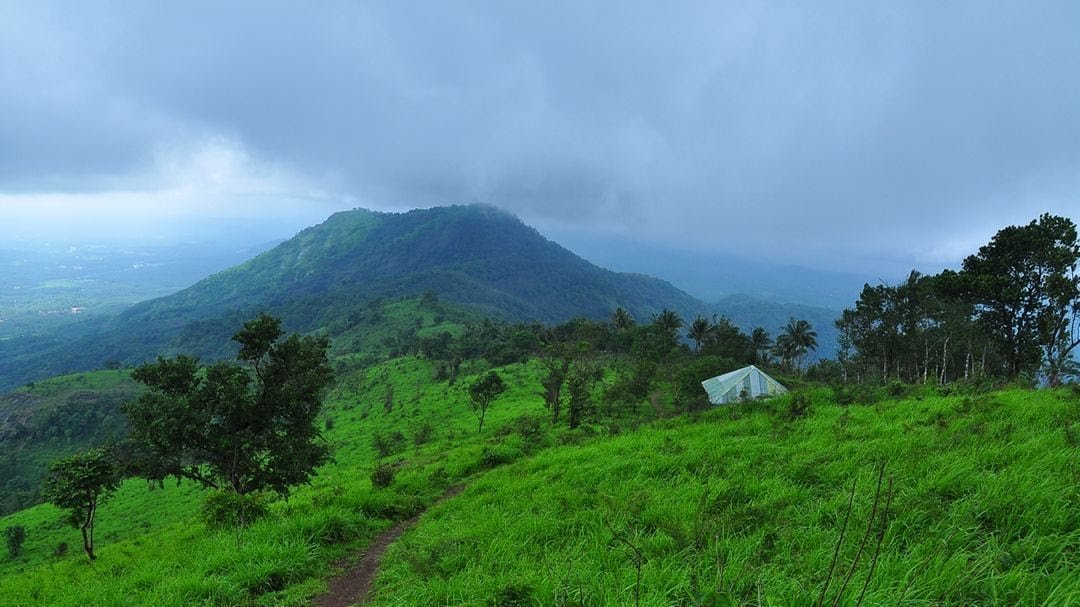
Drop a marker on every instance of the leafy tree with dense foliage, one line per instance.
(236, 427)
(1011, 310)
(1026, 288)
(81, 483)
(483, 392)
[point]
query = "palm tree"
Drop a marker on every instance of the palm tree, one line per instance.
(621, 319)
(762, 343)
(699, 331)
(799, 337)
(667, 320)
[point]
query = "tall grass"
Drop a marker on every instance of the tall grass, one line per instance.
(741, 506)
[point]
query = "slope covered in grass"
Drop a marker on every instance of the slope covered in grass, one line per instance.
(155, 550)
(47, 420)
(745, 506)
(738, 505)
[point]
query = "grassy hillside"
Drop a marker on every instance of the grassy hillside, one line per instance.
(47, 420)
(154, 550)
(743, 506)
(739, 505)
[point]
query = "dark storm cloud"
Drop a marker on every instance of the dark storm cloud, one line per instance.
(827, 131)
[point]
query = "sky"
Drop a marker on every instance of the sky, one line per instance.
(854, 135)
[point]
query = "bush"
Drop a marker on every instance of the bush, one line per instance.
(223, 510)
(14, 537)
(388, 444)
(799, 405)
(423, 434)
(497, 455)
(382, 476)
(513, 596)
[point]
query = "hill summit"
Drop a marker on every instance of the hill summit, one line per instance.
(473, 255)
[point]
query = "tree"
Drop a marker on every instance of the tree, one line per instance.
(1026, 288)
(14, 537)
(762, 343)
(579, 385)
(621, 319)
(796, 339)
(556, 361)
(668, 321)
(483, 392)
(699, 331)
(81, 483)
(236, 427)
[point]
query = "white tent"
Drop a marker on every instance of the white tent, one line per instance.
(746, 383)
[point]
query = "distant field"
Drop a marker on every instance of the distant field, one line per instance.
(46, 286)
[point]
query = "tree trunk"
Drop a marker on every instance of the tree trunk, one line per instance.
(88, 531)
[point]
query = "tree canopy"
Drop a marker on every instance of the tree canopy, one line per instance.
(1011, 310)
(79, 484)
(239, 427)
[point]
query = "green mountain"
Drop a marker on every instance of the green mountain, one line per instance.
(473, 256)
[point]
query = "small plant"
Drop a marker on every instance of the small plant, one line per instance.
(14, 537)
(799, 406)
(423, 434)
(382, 476)
(60, 550)
(226, 510)
(513, 596)
(388, 444)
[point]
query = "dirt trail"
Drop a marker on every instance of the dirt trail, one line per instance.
(353, 587)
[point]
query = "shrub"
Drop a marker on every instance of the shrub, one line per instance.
(382, 476)
(226, 509)
(497, 455)
(61, 549)
(14, 537)
(423, 433)
(798, 406)
(388, 444)
(513, 596)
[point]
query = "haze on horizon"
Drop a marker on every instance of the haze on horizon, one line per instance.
(863, 136)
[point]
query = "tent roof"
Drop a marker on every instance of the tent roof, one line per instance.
(719, 386)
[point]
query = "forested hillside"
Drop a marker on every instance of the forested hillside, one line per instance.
(473, 256)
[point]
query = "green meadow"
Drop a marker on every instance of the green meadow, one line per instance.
(739, 505)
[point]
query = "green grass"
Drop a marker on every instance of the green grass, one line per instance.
(154, 550)
(738, 504)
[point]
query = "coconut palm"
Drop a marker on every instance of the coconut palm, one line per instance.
(668, 320)
(762, 344)
(699, 331)
(621, 319)
(799, 337)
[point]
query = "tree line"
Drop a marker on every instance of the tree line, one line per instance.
(1011, 311)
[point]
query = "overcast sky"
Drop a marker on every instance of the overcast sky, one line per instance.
(853, 134)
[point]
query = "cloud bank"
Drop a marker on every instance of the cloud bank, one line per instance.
(840, 133)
